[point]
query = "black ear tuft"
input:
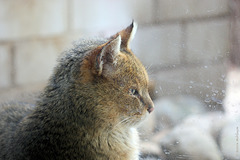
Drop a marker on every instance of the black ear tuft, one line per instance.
(127, 35)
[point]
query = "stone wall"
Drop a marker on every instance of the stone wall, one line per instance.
(184, 44)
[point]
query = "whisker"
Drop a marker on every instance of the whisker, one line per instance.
(148, 67)
(122, 121)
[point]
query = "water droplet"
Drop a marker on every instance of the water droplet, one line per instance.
(208, 100)
(190, 87)
(219, 102)
(167, 152)
(205, 66)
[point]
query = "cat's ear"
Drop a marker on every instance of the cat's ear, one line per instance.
(105, 60)
(127, 35)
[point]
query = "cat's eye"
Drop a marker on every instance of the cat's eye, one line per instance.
(133, 92)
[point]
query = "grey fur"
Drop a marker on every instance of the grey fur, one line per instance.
(25, 129)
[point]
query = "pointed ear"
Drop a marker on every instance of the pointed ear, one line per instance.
(105, 60)
(127, 35)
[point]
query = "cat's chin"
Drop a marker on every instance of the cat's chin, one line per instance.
(133, 119)
(139, 118)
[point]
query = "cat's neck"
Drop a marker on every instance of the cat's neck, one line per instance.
(121, 143)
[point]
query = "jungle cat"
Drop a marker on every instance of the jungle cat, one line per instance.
(89, 110)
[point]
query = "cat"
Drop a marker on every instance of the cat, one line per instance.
(89, 110)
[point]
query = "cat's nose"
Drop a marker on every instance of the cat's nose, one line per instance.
(150, 108)
(149, 103)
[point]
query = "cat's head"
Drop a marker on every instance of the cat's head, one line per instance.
(117, 80)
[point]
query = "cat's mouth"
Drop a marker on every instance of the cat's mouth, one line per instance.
(138, 114)
(139, 117)
(149, 109)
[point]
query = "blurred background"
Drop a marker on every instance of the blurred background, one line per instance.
(190, 48)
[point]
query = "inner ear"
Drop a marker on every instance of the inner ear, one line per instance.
(106, 59)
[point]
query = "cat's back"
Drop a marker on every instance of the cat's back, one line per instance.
(11, 115)
(13, 112)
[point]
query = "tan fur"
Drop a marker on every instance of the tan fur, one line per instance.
(95, 99)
